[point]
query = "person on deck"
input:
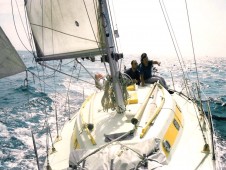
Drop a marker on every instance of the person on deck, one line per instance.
(146, 72)
(98, 83)
(133, 72)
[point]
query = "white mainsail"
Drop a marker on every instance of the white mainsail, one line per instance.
(64, 29)
(10, 61)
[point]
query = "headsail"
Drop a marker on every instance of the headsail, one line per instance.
(65, 29)
(10, 61)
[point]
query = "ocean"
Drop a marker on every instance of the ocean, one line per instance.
(26, 106)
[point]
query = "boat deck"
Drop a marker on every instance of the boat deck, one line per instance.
(189, 152)
(187, 142)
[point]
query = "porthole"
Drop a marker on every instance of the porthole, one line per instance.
(166, 145)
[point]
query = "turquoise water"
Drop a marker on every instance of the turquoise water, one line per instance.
(25, 109)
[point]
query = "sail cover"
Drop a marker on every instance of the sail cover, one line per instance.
(10, 61)
(65, 28)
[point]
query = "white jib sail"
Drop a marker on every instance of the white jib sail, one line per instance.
(10, 61)
(65, 28)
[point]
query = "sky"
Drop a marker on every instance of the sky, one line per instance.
(142, 27)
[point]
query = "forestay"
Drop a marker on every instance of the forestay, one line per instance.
(65, 29)
(10, 61)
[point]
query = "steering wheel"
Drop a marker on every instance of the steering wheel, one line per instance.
(128, 80)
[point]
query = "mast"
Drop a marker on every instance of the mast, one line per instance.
(61, 38)
(110, 49)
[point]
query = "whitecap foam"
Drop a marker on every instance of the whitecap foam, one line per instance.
(220, 152)
(3, 131)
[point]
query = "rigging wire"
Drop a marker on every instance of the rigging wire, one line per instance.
(52, 27)
(51, 139)
(168, 26)
(111, 22)
(45, 84)
(202, 130)
(95, 9)
(66, 74)
(55, 103)
(193, 49)
(109, 31)
(16, 28)
(29, 33)
(98, 43)
(113, 35)
(196, 69)
(45, 124)
(43, 70)
(198, 83)
(35, 148)
(46, 117)
(26, 33)
(47, 147)
(32, 134)
(118, 43)
(173, 34)
(68, 92)
(43, 45)
(85, 69)
(52, 74)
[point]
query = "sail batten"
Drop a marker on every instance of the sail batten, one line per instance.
(62, 28)
(10, 61)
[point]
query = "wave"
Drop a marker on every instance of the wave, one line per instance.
(23, 109)
(219, 118)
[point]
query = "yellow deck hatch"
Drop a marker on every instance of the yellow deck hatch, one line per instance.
(131, 87)
(133, 99)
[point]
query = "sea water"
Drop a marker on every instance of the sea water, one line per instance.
(30, 106)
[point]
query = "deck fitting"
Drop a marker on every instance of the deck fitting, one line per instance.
(58, 138)
(206, 148)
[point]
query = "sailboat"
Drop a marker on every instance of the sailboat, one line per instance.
(122, 126)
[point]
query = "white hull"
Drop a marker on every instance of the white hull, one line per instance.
(163, 110)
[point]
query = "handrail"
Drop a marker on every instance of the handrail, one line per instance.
(145, 129)
(140, 112)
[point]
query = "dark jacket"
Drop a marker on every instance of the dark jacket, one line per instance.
(133, 74)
